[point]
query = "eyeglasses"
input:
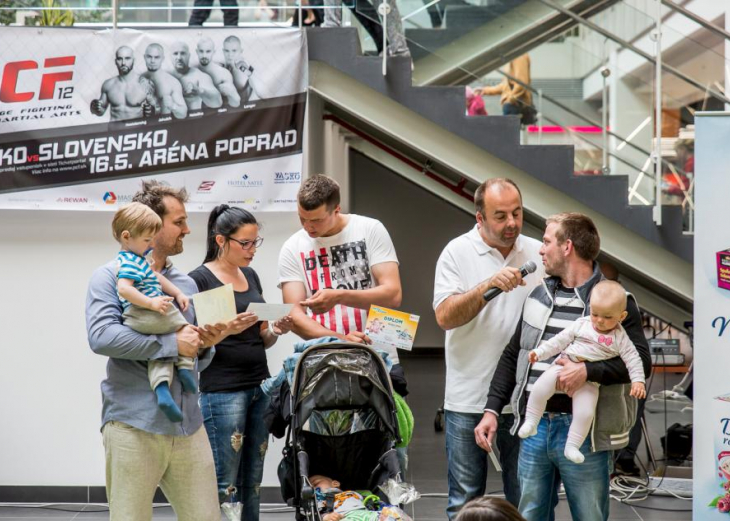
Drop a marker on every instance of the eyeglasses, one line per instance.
(246, 245)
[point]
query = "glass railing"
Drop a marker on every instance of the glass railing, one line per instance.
(609, 119)
(150, 13)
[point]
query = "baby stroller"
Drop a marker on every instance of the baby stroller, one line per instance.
(341, 423)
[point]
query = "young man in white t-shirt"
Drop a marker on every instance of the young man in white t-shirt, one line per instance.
(488, 256)
(336, 267)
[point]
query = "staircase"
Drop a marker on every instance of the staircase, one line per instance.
(429, 124)
(476, 40)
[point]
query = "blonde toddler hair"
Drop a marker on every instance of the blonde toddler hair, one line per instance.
(136, 218)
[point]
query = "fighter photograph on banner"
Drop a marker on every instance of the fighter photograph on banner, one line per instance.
(85, 114)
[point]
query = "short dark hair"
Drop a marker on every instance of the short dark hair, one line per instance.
(580, 230)
(153, 194)
(482, 188)
(318, 190)
(489, 509)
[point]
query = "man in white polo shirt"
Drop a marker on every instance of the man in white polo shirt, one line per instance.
(488, 256)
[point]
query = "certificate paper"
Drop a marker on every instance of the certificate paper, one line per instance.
(269, 312)
(390, 328)
(215, 306)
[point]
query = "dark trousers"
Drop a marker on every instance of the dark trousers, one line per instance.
(368, 18)
(437, 11)
(199, 16)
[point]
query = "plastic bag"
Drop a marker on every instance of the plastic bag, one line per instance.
(400, 493)
(232, 509)
(390, 513)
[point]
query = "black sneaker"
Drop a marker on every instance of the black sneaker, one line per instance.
(626, 467)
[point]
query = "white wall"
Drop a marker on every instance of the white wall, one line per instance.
(50, 399)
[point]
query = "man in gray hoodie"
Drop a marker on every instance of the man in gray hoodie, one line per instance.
(570, 246)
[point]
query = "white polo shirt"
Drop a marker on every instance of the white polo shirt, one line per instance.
(473, 350)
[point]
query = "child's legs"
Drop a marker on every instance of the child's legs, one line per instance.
(150, 322)
(159, 371)
(185, 362)
(584, 409)
(541, 392)
(186, 373)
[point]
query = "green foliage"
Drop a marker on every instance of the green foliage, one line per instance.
(46, 18)
(7, 17)
(52, 17)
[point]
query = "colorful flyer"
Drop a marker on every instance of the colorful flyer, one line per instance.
(390, 328)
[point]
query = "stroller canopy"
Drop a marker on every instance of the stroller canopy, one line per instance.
(343, 376)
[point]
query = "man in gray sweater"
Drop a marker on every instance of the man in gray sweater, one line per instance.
(570, 246)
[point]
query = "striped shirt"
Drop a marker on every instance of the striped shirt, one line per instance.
(568, 308)
(136, 268)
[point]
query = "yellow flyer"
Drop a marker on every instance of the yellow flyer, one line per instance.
(390, 328)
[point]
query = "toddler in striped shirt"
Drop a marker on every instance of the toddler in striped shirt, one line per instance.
(146, 297)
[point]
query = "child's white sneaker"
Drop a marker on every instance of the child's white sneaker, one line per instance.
(528, 429)
(574, 454)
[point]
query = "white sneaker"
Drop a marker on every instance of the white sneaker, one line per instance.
(527, 430)
(574, 454)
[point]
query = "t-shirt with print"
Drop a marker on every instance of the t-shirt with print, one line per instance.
(342, 261)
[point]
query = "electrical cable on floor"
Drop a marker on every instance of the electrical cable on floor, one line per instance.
(632, 490)
(104, 507)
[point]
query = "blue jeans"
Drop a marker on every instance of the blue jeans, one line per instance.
(510, 109)
(239, 439)
(542, 465)
(467, 462)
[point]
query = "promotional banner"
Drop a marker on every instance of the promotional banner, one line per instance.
(711, 450)
(85, 115)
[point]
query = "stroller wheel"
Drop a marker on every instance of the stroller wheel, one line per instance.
(438, 421)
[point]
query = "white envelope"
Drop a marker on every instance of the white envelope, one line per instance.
(215, 306)
(269, 312)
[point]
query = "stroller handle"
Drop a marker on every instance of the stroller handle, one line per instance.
(307, 490)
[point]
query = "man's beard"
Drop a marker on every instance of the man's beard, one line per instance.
(204, 61)
(124, 70)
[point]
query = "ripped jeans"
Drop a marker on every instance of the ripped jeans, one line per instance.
(239, 439)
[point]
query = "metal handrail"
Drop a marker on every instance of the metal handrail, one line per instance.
(697, 19)
(624, 43)
(622, 160)
(586, 119)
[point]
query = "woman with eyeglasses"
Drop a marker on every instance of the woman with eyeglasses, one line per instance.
(232, 400)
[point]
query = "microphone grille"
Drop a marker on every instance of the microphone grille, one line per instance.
(530, 267)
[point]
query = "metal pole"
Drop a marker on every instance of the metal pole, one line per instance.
(300, 13)
(383, 10)
(605, 73)
(115, 13)
(658, 118)
(697, 19)
(539, 116)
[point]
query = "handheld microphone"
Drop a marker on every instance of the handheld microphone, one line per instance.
(528, 267)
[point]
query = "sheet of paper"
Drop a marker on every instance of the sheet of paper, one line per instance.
(390, 328)
(269, 311)
(215, 306)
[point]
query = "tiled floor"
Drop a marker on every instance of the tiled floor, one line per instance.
(428, 463)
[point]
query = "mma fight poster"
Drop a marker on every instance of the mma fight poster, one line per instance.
(85, 115)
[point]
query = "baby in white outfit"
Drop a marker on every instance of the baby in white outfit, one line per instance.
(588, 339)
